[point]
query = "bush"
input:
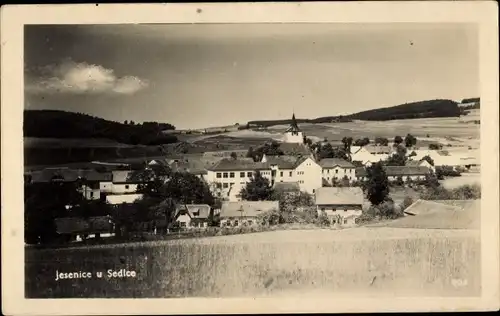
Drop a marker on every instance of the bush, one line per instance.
(446, 171)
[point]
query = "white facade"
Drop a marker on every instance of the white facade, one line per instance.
(294, 137)
(308, 175)
(90, 193)
(338, 173)
(221, 182)
(122, 198)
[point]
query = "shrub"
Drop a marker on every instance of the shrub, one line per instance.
(446, 171)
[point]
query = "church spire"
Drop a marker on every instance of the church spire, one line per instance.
(294, 127)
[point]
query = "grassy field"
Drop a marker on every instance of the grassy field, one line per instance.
(382, 261)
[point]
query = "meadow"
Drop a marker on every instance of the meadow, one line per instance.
(378, 261)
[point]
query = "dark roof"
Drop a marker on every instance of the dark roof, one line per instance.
(375, 149)
(287, 186)
(226, 153)
(236, 165)
(333, 162)
(394, 171)
(285, 161)
(68, 175)
(294, 127)
(191, 166)
(201, 211)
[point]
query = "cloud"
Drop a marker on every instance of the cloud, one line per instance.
(82, 78)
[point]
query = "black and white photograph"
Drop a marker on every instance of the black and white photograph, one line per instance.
(252, 160)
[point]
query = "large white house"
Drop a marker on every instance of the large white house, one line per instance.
(370, 154)
(121, 188)
(334, 168)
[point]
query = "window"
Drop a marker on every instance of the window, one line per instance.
(225, 185)
(290, 173)
(250, 222)
(218, 185)
(249, 174)
(126, 187)
(218, 175)
(183, 224)
(328, 171)
(224, 175)
(336, 170)
(236, 223)
(242, 174)
(196, 213)
(281, 173)
(314, 190)
(231, 175)
(334, 210)
(91, 194)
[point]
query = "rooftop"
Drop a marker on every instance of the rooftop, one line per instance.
(394, 171)
(68, 175)
(334, 162)
(247, 208)
(194, 210)
(337, 195)
(237, 165)
(284, 161)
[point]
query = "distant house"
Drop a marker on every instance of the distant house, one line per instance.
(245, 213)
(420, 163)
(395, 172)
(341, 205)
(122, 188)
(225, 154)
(334, 168)
(192, 215)
(80, 228)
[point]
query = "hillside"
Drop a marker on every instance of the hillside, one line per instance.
(64, 125)
(421, 109)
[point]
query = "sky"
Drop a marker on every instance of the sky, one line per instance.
(202, 75)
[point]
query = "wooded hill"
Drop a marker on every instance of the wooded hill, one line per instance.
(421, 109)
(62, 124)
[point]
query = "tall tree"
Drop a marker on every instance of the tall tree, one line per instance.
(398, 140)
(381, 141)
(258, 189)
(428, 159)
(377, 184)
(410, 141)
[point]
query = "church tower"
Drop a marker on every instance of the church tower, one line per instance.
(293, 134)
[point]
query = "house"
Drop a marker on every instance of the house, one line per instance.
(422, 163)
(303, 170)
(293, 134)
(193, 166)
(335, 168)
(77, 228)
(362, 155)
(394, 172)
(122, 188)
(341, 205)
(440, 157)
(192, 215)
(245, 213)
(88, 180)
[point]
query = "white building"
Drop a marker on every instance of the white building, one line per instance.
(370, 154)
(334, 168)
(229, 176)
(404, 173)
(293, 134)
(121, 188)
(245, 213)
(341, 205)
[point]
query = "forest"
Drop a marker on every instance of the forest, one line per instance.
(62, 124)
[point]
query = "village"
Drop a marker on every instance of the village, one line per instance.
(329, 182)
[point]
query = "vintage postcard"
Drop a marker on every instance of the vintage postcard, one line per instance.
(250, 158)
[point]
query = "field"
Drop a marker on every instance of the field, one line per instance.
(376, 261)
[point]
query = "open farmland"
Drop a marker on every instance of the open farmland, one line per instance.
(381, 261)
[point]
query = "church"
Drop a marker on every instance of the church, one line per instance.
(293, 134)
